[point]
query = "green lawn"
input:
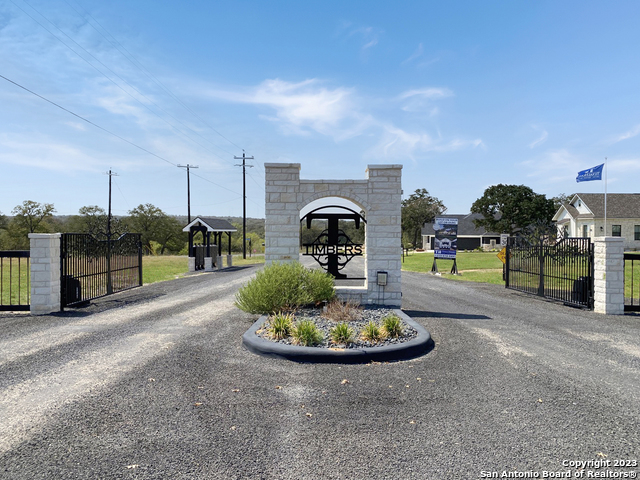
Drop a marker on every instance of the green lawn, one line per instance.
(472, 266)
(168, 267)
(632, 280)
(14, 281)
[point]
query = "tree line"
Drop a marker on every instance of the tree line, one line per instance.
(510, 209)
(504, 209)
(160, 233)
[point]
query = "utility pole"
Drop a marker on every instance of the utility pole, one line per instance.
(244, 201)
(111, 174)
(187, 166)
(109, 283)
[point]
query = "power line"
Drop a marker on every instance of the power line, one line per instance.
(88, 121)
(261, 187)
(108, 131)
(136, 63)
(119, 77)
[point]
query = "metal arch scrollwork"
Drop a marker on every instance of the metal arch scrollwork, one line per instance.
(333, 249)
(322, 252)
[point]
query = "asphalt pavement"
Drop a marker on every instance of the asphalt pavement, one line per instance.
(154, 383)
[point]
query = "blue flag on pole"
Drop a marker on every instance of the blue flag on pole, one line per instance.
(589, 174)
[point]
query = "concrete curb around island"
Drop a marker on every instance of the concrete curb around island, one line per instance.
(417, 346)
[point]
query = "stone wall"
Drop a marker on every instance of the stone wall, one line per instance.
(379, 195)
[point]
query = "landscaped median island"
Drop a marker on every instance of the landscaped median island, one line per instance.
(303, 321)
(414, 341)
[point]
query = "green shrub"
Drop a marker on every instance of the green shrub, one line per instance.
(371, 332)
(306, 333)
(341, 333)
(280, 326)
(392, 325)
(319, 285)
(284, 286)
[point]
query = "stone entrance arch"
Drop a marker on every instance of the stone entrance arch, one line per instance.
(379, 195)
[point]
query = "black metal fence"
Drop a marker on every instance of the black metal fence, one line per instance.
(92, 268)
(632, 282)
(560, 271)
(15, 280)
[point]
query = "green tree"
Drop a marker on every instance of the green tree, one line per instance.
(236, 240)
(93, 219)
(560, 200)
(3, 232)
(32, 216)
(154, 225)
(512, 208)
(29, 217)
(417, 210)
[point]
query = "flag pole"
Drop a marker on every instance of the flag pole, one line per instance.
(605, 196)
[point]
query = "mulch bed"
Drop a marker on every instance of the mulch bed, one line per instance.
(365, 315)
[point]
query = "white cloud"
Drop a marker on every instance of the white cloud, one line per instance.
(417, 54)
(396, 143)
(369, 36)
(541, 139)
(624, 166)
(310, 106)
(430, 92)
(635, 131)
(419, 100)
(305, 106)
(28, 151)
(555, 166)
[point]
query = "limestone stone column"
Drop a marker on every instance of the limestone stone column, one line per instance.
(384, 233)
(45, 273)
(608, 275)
(282, 216)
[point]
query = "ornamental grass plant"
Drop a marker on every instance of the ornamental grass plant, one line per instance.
(280, 326)
(392, 326)
(372, 332)
(306, 333)
(281, 287)
(342, 334)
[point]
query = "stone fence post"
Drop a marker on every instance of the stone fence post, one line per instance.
(608, 275)
(45, 272)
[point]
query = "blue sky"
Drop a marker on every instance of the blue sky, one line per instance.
(463, 94)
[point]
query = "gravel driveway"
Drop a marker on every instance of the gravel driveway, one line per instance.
(154, 384)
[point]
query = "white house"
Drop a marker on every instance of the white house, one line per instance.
(583, 216)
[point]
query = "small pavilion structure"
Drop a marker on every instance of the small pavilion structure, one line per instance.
(201, 257)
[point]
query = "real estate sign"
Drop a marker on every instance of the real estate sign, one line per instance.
(446, 241)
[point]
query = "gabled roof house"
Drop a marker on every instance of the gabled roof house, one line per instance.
(583, 216)
(470, 237)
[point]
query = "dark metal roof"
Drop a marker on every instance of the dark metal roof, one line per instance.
(465, 226)
(212, 224)
(619, 205)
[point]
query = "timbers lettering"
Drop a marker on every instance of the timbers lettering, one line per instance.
(351, 250)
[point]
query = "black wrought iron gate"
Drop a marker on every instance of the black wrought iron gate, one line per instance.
(560, 270)
(632, 282)
(92, 268)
